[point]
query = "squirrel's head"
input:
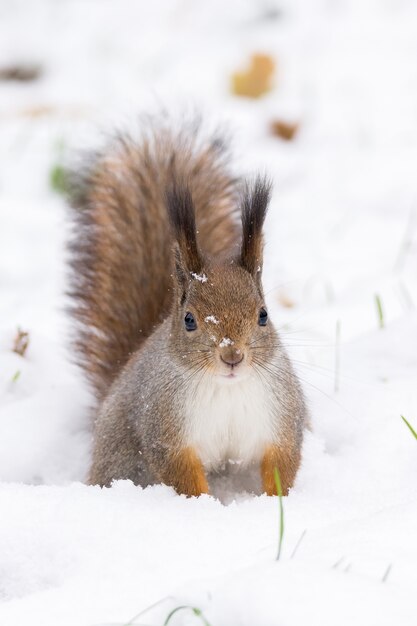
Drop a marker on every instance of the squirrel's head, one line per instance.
(220, 321)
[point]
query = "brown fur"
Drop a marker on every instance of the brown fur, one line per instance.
(286, 458)
(185, 473)
(121, 248)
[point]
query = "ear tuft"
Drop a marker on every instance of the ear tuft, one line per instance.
(255, 201)
(181, 214)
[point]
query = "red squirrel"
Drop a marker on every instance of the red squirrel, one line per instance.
(174, 332)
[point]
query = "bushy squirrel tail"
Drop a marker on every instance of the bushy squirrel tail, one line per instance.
(121, 245)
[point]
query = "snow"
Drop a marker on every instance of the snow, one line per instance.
(211, 318)
(341, 230)
(202, 278)
(226, 341)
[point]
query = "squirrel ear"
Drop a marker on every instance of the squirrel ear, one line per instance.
(182, 274)
(181, 214)
(254, 206)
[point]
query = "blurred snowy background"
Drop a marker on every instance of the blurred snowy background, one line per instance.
(340, 76)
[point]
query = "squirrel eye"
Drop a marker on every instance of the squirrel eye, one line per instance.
(263, 317)
(189, 321)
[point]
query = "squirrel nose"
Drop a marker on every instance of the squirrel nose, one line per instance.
(232, 356)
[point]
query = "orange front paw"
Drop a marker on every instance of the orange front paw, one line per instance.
(186, 473)
(287, 463)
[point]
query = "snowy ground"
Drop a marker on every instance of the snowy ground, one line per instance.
(342, 228)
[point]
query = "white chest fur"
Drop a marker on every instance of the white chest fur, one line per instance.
(230, 421)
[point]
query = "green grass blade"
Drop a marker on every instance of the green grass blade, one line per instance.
(380, 310)
(58, 179)
(194, 609)
(409, 426)
(277, 479)
(132, 622)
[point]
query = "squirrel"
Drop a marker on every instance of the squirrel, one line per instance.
(174, 334)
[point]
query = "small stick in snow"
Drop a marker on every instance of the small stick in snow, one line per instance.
(386, 574)
(407, 241)
(337, 357)
(405, 295)
(338, 562)
(298, 543)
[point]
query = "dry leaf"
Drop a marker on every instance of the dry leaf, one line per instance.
(285, 130)
(21, 342)
(257, 79)
(286, 301)
(44, 110)
(38, 111)
(21, 73)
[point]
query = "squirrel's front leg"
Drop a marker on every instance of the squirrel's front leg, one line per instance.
(287, 460)
(184, 471)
